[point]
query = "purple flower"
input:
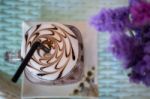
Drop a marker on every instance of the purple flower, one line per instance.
(126, 49)
(111, 20)
(140, 12)
(147, 48)
(140, 67)
(132, 50)
(146, 34)
(135, 77)
(140, 72)
(146, 79)
(146, 59)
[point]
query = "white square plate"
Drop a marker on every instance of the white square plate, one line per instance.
(90, 90)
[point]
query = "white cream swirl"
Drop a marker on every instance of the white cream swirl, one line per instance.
(62, 57)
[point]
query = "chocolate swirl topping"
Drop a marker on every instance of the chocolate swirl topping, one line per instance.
(63, 55)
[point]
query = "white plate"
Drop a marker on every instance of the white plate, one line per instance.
(89, 35)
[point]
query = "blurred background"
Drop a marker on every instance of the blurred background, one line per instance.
(113, 81)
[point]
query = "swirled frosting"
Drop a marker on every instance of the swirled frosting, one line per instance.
(62, 57)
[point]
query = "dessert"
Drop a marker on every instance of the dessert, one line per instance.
(63, 63)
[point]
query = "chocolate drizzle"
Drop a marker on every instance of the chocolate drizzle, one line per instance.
(60, 41)
(41, 74)
(37, 27)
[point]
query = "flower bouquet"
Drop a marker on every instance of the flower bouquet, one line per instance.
(129, 29)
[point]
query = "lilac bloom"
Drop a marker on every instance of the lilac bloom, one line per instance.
(111, 20)
(126, 49)
(135, 77)
(140, 13)
(146, 79)
(140, 67)
(147, 48)
(146, 59)
(132, 50)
